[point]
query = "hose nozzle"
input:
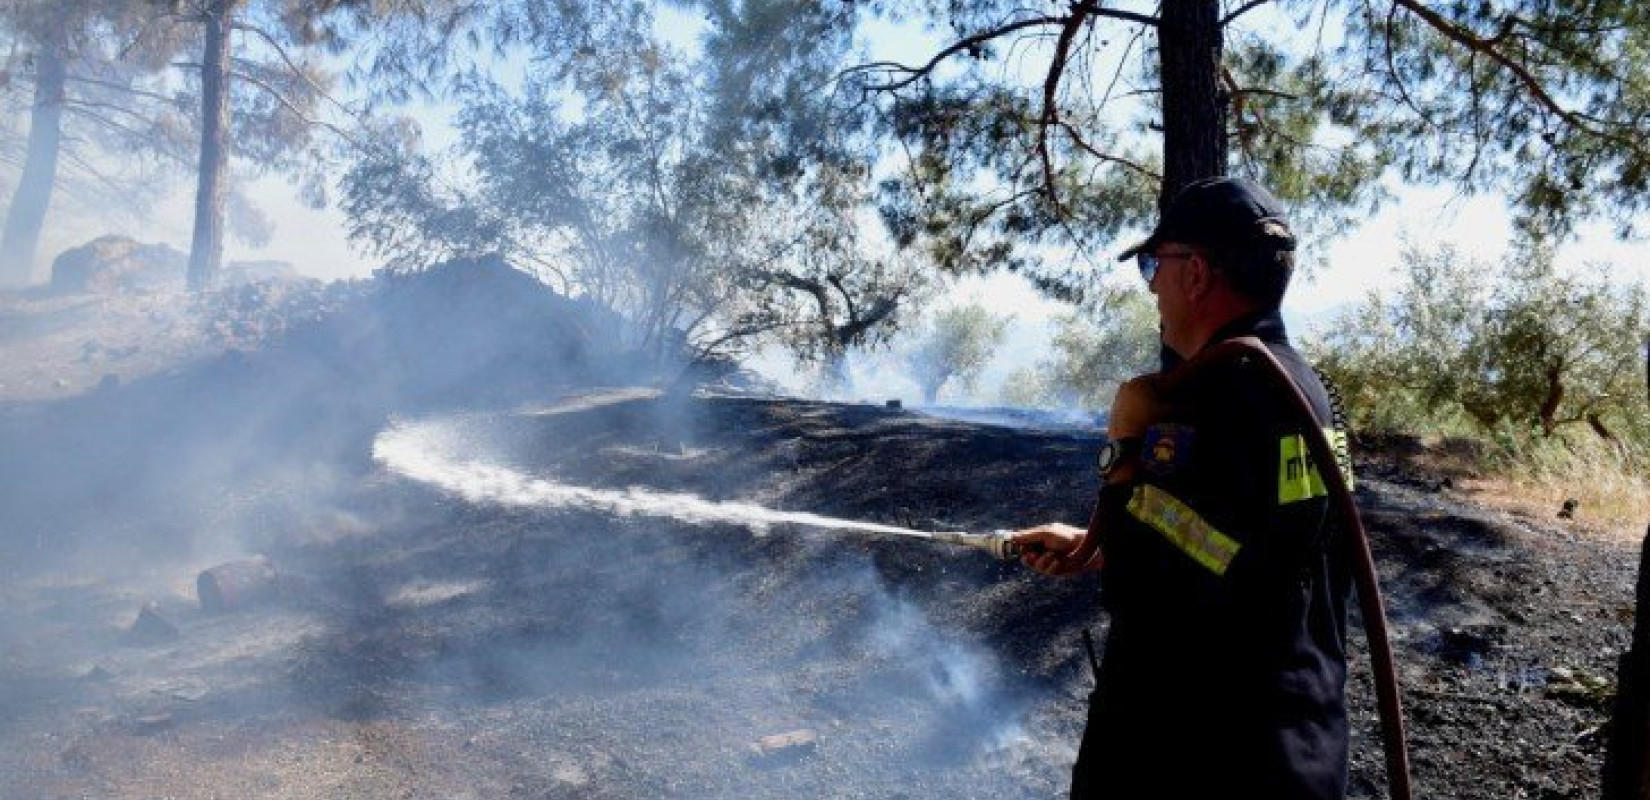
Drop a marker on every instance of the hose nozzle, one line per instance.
(997, 543)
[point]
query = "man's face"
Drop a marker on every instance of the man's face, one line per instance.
(1177, 286)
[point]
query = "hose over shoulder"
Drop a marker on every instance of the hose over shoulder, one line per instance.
(1363, 560)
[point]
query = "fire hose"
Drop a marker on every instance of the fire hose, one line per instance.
(1363, 561)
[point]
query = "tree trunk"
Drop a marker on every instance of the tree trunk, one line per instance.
(931, 391)
(1555, 396)
(833, 372)
(1626, 767)
(206, 248)
(29, 202)
(1195, 102)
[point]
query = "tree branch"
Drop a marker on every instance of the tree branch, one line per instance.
(1241, 10)
(156, 96)
(1077, 139)
(1397, 77)
(1051, 111)
(292, 65)
(969, 43)
(1094, 9)
(106, 122)
(89, 106)
(1530, 82)
(108, 183)
(294, 110)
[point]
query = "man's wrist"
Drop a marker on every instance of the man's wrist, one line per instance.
(1118, 457)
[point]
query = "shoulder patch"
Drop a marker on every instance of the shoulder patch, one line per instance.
(1167, 448)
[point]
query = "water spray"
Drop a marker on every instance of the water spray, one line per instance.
(424, 452)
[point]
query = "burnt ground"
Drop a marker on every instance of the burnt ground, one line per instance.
(429, 646)
(514, 644)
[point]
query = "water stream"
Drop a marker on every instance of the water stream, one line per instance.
(426, 452)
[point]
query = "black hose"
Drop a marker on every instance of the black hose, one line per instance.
(1363, 561)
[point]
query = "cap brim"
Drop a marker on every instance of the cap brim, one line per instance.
(1149, 243)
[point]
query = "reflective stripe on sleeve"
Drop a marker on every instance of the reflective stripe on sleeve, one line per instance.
(1183, 527)
(1298, 476)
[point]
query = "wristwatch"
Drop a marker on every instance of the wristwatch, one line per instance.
(1117, 451)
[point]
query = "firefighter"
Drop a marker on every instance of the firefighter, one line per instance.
(1224, 667)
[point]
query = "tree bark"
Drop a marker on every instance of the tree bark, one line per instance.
(1190, 46)
(1555, 396)
(206, 248)
(27, 214)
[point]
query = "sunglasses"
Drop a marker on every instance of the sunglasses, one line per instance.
(1149, 262)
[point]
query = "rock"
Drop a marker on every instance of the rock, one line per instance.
(238, 584)
(114, 264)
(1467, 645)
(1579, 688)
(151, 627)
(151, 723)
(1569, 509)
(793, 743)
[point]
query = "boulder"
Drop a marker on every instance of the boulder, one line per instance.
(119, 264)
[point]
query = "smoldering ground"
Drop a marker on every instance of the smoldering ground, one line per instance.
(432, 644)
(443, 646)
(567, 653)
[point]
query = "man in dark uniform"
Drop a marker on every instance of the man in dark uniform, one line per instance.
(1225, 579)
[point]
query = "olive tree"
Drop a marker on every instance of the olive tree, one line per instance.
(956, 347)
(1095, 349)
(664, 184)
(1523, 342)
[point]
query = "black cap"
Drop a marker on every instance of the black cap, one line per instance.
(1223, 214)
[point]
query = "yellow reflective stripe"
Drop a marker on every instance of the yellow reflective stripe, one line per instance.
(1298, 476)
(1183, 527)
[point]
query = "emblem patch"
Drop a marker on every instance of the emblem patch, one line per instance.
(1167, 448)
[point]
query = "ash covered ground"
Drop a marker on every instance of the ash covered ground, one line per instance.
(429, 645)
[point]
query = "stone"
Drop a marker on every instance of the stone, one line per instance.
(119, 264)
(151, 627)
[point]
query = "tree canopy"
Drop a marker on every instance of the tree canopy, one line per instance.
(1063, 123)
(758, 176)
(86, 80)
(673, 187)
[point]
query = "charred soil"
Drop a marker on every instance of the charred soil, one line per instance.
(428, 645)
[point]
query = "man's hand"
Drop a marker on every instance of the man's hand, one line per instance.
(1054, 549)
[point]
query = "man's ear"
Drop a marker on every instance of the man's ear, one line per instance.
(1199, 276)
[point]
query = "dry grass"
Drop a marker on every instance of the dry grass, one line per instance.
(1618, 510)
(1612, 496)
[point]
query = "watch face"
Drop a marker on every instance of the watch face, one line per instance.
(1110, 453)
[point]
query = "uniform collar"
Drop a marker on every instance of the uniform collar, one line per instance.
(1265, 325)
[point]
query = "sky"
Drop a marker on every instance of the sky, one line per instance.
(1358, 261)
